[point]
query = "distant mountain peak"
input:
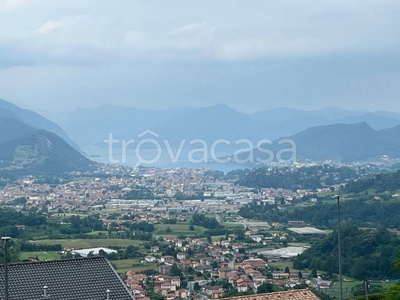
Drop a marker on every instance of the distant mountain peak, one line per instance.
(35, 120)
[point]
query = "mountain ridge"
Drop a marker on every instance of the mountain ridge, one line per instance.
(41, 152)
(36, 120)
(207, 123)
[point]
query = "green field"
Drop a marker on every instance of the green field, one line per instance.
(91, 243)
(124, 265)
(177, 229)
(282, 264)
(96, 233)
(42, 255)
(231, 225)
(352, 283)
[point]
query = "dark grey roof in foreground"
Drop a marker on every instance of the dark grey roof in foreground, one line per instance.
(72, 279)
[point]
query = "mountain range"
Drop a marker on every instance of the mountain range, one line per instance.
(33, 119)
(29, 144)
(327, 134)
(338, 142)
(315, 132)
(208, 123)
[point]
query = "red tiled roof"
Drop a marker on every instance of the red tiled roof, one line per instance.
(287, 295)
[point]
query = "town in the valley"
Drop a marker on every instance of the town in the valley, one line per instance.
(171, 233)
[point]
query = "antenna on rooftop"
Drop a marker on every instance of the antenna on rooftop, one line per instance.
(6, 239)
(108, 294)
(45, 295)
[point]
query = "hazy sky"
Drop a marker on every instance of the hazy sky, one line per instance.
(158, 54)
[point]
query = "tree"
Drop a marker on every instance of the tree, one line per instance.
(191, 228)
(175, 271)
(314, 273)
(266, 287)
(300, 274)
(239, 232)
(13, 251)
(215, 264)
(209, 239)
(168, 230)
(287, 270)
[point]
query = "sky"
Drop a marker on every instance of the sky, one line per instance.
(156, 54)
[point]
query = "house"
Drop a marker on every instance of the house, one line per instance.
(179, 244)
(167, 259)
(214, 291)
(182, 294)
(256, 263)
(181, 255)
(324, 284)
(280, 275)
(206, 261)
(164, 269)
(155, 249)
(203, 269)
(292, 294)
(222, 272)
(92, 277)
(150, 259)
(176, 280)
(257, 238)
(296, 222)
(168, 286)
(141, 298)
(137, 289)
(242, 287)
(170, 239)
(225, 243)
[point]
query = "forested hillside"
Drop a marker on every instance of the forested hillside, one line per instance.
(381, 183)
(366, 254)
(359, 212)
(289, 178)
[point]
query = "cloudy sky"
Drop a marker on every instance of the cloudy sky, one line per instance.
(251, 55)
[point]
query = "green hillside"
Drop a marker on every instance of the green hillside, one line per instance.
(42, 152)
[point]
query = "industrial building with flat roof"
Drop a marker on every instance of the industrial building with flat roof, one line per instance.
(306, 230)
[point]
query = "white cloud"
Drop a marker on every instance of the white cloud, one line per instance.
(191, 30)
(63, 23)
(251, 30)
(49, 26)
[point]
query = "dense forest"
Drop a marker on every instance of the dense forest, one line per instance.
(359, 212)
(366, 254)
(9, 218)
(381, 183)
(301, 178)
(76, 224)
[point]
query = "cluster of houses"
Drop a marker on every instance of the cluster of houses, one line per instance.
(163, 184)
(166, 285)
(208, 263)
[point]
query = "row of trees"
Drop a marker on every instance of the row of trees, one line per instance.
(11, 217)
(78, 225)
(204, 221)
